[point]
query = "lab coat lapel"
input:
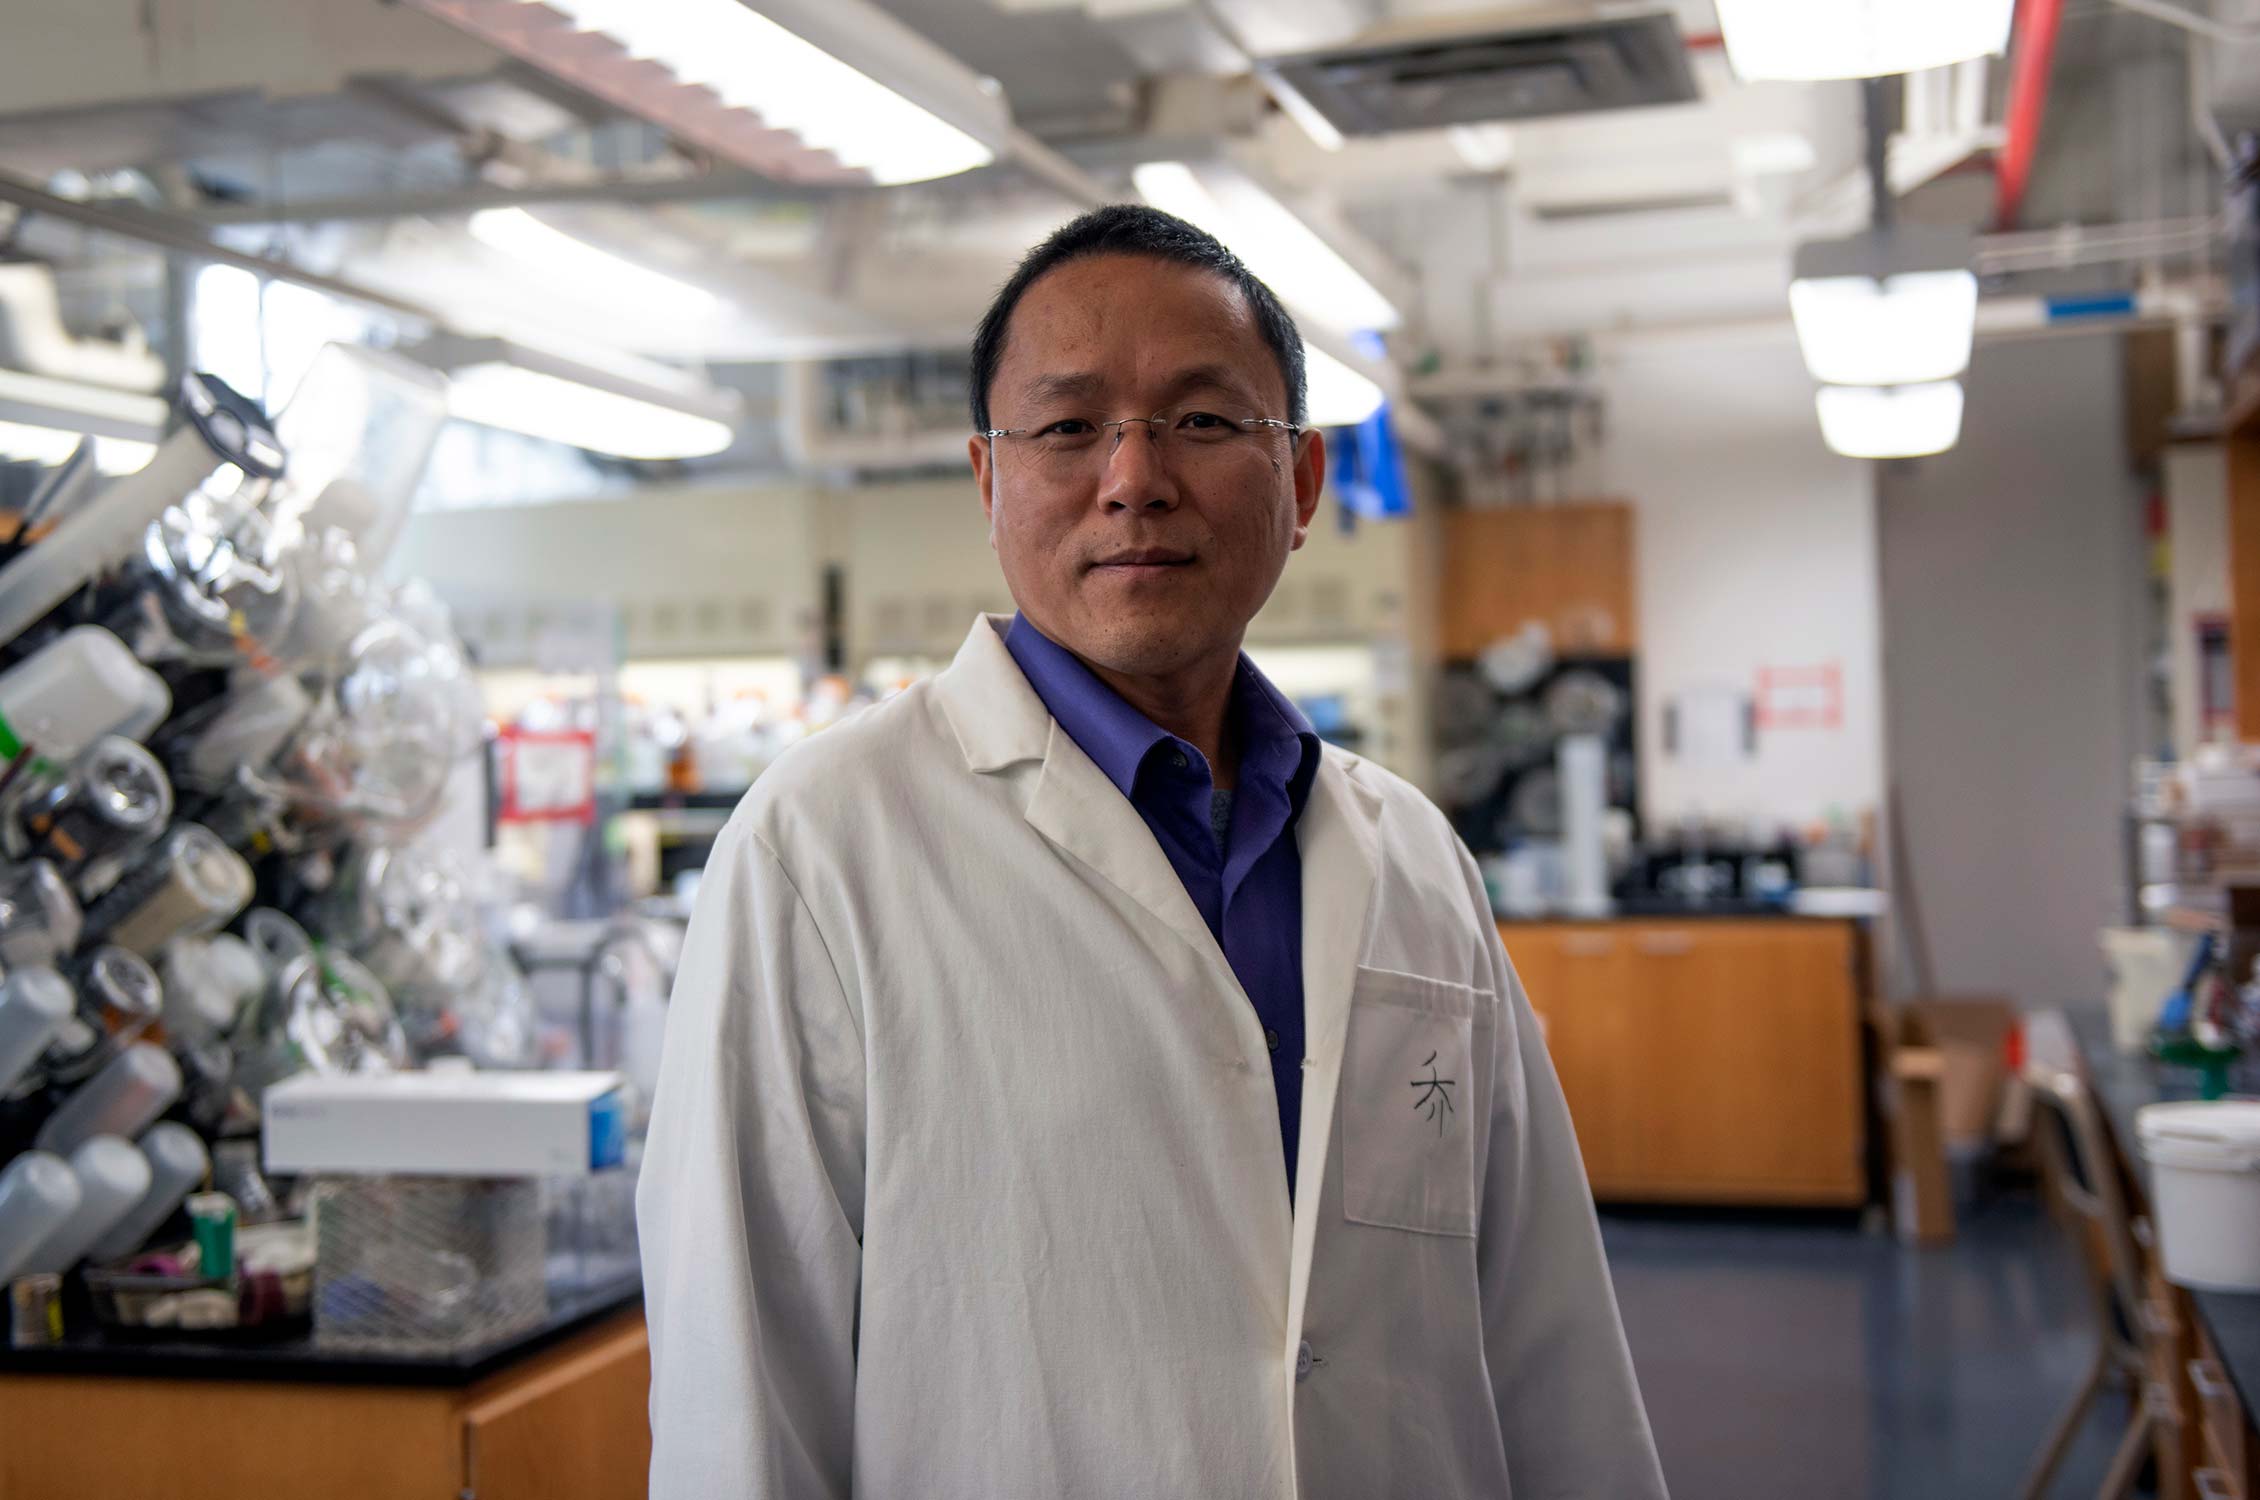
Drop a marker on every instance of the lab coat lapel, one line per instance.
(1080, 810)
(1001, 724)
(1340, 841)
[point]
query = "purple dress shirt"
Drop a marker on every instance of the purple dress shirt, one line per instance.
(1248, 885)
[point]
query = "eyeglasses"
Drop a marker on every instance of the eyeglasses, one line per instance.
(1192, 432)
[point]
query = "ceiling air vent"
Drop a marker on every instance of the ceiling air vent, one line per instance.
(1514, 66)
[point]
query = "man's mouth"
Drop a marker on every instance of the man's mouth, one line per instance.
(1143, 560)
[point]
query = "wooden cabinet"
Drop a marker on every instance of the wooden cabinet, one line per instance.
(2241, 437)
(1567, 566)
(1710, 1061)
(566, 1424)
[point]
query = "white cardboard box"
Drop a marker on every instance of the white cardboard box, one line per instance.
(447, 1124)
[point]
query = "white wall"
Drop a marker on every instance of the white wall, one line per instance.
(2013, 611)
(690, 571)
(1756, 548)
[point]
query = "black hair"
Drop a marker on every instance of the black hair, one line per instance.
(1135, 229)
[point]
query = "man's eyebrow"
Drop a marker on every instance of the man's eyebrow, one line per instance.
(1221, 377)
(1063, 386)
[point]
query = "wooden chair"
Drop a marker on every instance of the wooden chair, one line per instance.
(2082, 1174)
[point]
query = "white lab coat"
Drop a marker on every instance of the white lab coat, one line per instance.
(964, 1179)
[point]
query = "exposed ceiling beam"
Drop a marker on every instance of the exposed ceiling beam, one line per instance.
(690, 187)
(170, 232)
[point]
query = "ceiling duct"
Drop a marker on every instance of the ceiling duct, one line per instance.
(1510, 66)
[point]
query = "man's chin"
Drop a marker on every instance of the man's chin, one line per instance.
(1154, 647)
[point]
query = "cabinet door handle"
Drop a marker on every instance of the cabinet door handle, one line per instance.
(1588, 945)
(2209, 1381)
(1667, 944)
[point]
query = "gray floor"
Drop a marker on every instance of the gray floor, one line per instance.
(1795, 1358)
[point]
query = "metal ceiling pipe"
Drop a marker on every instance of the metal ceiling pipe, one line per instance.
(167, 232)
(2034, 56)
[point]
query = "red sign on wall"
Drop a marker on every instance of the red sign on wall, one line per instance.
(546, 778)
(1801, 697)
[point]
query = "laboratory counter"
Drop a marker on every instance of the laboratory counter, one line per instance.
(2123, 1084)
(556, 1413)
(573, 1306)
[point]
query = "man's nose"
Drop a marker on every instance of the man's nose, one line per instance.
(1136, 478)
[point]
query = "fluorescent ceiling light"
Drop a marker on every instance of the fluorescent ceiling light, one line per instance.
(1906, 421)
(1286, 253)
(26, 443)
(1808, 40)
(545, 406)
(1900, 330)
(751, 63)
(1337, 395)
(563, 258)
(503, 384)
(1886, 307)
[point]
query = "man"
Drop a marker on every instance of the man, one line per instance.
(1079, 1082)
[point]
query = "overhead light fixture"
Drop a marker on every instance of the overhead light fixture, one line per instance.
(564, 258)
(1805, 41)
(1336, 395)
(804, 90)
(1290, 257)
(1904, 421)
(649, 413)
(1888, 307)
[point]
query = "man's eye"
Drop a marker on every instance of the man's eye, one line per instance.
(1067, 427)
(1202, 421)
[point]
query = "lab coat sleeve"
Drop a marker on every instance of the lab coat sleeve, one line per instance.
(751, 1201)
(1569, 1407)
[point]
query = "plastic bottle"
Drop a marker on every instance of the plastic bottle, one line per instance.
(178, 1163)
(35, 1002)
(38, 1191)
(112, 1176)
(78, 687)
(133, 1089)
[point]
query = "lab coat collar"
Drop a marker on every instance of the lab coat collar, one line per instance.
(997, 717)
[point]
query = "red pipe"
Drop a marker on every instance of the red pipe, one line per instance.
(2031, 58)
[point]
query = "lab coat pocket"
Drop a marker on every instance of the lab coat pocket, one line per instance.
(1408, 1104)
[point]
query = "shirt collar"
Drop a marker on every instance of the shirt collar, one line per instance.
(1278, 746)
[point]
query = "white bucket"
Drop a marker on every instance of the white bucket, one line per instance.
(2205, 1191)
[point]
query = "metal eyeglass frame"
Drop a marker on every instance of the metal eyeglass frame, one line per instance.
(1245, 424)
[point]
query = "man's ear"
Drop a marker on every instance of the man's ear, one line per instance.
(977, 450)
(1310, 480)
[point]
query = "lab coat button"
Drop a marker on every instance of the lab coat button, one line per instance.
(1303, 1362)
(1178, 760)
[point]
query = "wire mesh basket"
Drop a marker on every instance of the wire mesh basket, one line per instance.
(427, 1265)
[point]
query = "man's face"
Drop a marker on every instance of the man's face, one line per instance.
(1144, 558)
